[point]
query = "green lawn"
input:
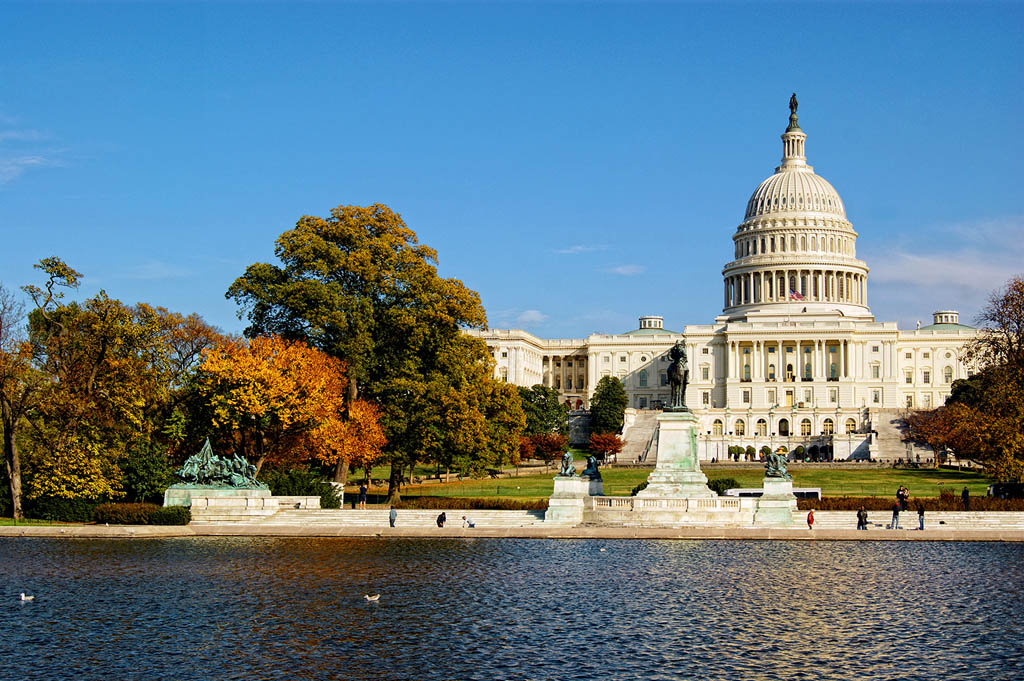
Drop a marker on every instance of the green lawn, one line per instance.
(872, 482)
(30, 521)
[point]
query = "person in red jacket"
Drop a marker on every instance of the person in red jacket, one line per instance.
(810, 520)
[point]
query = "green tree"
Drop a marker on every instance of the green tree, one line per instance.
(360, 287)
(545, 412)
(608, 406)
(19, 385)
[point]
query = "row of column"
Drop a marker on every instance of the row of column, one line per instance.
(778, 286)
(569, 378)
(760, 358)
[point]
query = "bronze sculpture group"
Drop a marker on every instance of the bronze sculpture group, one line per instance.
(206, 469)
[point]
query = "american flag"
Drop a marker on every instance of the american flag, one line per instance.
(795, 295)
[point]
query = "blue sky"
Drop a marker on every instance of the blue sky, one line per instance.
(576, 164)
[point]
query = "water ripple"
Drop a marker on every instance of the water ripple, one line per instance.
(262, 608)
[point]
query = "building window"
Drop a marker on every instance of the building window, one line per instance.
(874, 348)
(746, 372)
(705, 372)
(746, 397)
(762, 428)
(805, 427)
(607, 359)
(771, 397)
(664, 378)
(910, 401)
(771, 372)
(927, 355)
(641, 403)
(740, 428)
(926, 376)
(807, 371)
(568, 382)
(926, 401)
(909, 355)
(716, 427)
(784, 427)
(876, 397)
(947, 375)
(833, 395)
(807, 396)
(643, 378)
(833, 371)
(704, 351)
(874, 370)
(705, 398)
(622, 359)
(504, 354)
(558, 382)
(568, 364)
(908, 376)
(828, 427)
(851, 426)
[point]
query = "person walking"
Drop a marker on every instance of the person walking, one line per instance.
(895, 525)
(810, 519)
(441, 519)
(862, 519)
(966, 496)
(920, 516)
(392, 517)
(362, 494)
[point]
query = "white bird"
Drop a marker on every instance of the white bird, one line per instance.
(603, 550)
(372, 599)
(27, 598)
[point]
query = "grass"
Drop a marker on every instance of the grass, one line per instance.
(868, 482)
(32, 521)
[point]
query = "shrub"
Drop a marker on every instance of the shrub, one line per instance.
(123, 514)
(146, 473)
(765, 451)
(60, 509)
(170, 515)
(301, 483)
(642, 486)
(472, 503)
(798, 453)
(719, 485)
(750, 453)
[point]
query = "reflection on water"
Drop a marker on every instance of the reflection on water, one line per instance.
(256, 608)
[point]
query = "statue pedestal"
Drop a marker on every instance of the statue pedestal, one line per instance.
(775, 507)
(677, 473)
(181, 495)
(565, 506)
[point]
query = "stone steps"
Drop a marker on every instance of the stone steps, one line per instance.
(637, 436)
(951, 520)
(406, 518)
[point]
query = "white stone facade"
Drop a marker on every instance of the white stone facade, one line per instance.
(795, 358)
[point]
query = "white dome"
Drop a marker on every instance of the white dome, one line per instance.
(795, 190)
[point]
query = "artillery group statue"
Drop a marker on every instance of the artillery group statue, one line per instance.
(206, 469)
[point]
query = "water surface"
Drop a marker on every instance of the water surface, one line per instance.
(266, 608)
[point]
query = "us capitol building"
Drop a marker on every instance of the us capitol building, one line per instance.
(795, 358)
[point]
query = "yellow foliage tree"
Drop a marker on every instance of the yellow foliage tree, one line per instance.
(284, 402)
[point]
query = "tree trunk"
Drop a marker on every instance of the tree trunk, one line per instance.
(259, 465)
(395, 483)
(12, 461)
(341, 471)
(447, 474)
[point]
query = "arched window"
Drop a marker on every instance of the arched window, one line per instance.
(814, 243)
(643, 378)
(740, 428)
(784, 427)
(789, 372)
(716, 427)
(947, 375)
(828, 427)
(771, 372)
(762, 427)
(805, 427)
(792, 243)
(851, 426)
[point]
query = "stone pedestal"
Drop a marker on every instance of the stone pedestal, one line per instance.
(677, 473)
(566, 503)
(181, 495)
(775, 507)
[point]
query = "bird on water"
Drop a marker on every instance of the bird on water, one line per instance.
(372, 599)
(27, 598)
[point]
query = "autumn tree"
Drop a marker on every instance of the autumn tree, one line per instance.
(18, 386)
(549, 447)
(605, 445)
(983, 418)
(283, 402)
(359, 286)
(608, 406)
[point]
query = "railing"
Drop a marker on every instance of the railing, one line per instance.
(705, 504)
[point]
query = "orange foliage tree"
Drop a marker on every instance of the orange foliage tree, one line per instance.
(284, 403)
(605, 444)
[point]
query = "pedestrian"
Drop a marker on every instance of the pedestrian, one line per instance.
(441, 519)
(895, 525)
(862, 519)
(920, 516)
(966, 496)
(392, 517)
(468, 522)
(810, 519)
(362, 494)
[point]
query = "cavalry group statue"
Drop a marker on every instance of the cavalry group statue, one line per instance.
(206, 469)
(678, 377)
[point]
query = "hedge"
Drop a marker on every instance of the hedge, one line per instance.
(141, 514)
(472, 503)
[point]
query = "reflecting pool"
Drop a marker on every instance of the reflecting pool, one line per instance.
(264, 608)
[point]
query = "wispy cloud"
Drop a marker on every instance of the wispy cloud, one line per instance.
(21, 136)
(957, 269)
(627, 270)
(531, 317)
(12, 167)
(580, 248)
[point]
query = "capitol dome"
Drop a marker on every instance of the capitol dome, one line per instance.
(795, 246)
